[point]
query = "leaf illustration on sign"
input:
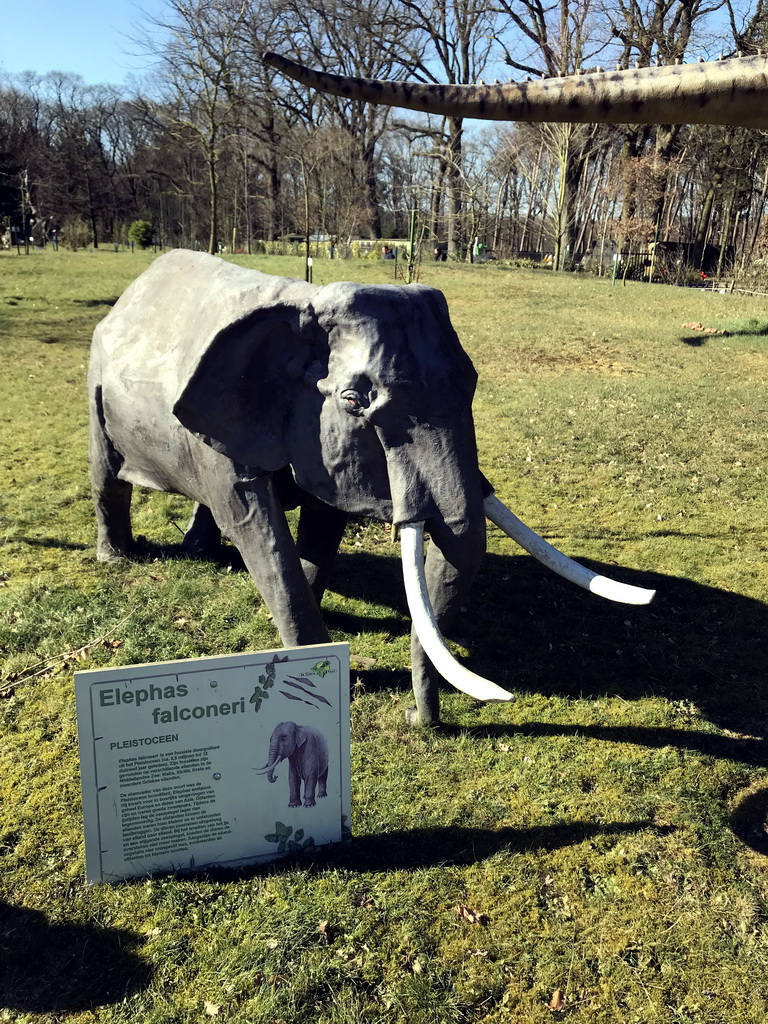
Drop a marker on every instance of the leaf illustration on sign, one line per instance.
(282, 836)
(322, 668)
(267, 681)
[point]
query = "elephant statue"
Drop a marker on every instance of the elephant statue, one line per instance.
(307, 753)
(251, 394)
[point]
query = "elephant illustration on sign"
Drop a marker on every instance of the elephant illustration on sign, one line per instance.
(252, 394)
(306, 750)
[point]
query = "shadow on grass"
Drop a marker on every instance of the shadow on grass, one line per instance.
(52, 967)
(531, 631)
(95, 302)
(372, 579)
(746, 751)
(753, 330)
(51, 542)
(413, 849)
(698, 340)
(453, 845)
(749, 818)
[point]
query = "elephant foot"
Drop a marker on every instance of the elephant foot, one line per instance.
(107, 553)
(413, 720)
(294, 803)
(202, 538)
(309, 802)
(203, 550)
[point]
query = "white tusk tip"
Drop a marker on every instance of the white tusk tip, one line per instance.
(425, 625)
(620, 592)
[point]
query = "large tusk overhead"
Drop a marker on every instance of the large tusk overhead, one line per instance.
(535, 545)
(425, 625)
(728, 92)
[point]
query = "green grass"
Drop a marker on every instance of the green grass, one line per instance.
(610, 824)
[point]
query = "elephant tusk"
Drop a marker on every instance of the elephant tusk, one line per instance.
(535, 545)
(425, 624)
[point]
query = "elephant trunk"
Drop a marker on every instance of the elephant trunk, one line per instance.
(272, 763)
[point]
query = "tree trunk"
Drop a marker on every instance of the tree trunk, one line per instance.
(213, 205)
(454, 189)
(705, 216)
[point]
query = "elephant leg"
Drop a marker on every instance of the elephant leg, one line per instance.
(310, 785)
(111, 496)
(249, 513)
(321, 528)
(322, 783)
(453, 560)
(202, 538)
(294, 785)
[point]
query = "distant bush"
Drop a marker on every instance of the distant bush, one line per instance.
(527, 264)
(141, 233)
(358, 248)
(75, 233)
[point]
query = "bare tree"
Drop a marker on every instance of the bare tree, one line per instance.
(456, 39)
(202, 80)
(556, 40)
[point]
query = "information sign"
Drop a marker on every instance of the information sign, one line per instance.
(213, 761)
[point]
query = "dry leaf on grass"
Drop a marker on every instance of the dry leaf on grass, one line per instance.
(212, 1009)
(557, 1002)
(325, 931)
(695, 325)
(471, 915)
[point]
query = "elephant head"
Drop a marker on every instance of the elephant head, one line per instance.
(286, 739)
(363, 390)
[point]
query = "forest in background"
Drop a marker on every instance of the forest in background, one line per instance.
(215, 151)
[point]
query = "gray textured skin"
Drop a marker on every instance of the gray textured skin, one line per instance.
(233, 387)
(730, 92)
(307, 752)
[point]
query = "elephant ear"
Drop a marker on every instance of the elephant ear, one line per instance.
(238, 394)
(301, 735)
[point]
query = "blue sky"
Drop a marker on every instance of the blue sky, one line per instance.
(89, 37)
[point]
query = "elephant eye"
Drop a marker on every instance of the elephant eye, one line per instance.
(353, 401)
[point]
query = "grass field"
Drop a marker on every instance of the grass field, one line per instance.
(607, 829)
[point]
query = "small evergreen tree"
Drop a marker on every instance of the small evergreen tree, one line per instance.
(141, 232)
